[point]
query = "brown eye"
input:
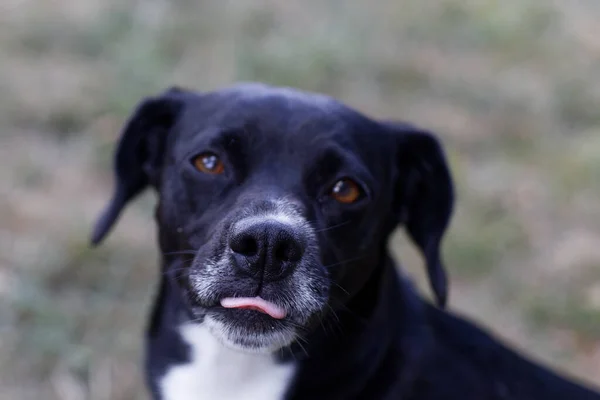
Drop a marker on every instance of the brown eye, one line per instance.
(346, 191)
(209, 163)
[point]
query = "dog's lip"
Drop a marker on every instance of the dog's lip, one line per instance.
(255, 303)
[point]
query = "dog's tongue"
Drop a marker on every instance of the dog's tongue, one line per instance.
(254, 303)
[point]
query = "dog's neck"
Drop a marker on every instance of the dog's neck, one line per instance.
(384, 325)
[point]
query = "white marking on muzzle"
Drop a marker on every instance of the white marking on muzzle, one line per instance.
(283, 212)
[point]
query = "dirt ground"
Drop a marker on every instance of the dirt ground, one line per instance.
(512, 88)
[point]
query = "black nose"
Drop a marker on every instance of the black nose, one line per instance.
(267, 249)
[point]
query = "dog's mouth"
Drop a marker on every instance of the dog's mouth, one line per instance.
(251, 324)
(246, 319)
(256, 304)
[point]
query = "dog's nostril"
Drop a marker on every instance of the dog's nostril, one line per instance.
(267, 249)
(287, 250)
(244, 244)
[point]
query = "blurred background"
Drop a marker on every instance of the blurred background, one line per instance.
(512, 88)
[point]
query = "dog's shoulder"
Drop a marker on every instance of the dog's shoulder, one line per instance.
(469, 363)
(217, 372)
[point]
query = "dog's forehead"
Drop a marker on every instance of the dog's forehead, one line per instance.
(271, 112)
(259, 91)
(288, 125)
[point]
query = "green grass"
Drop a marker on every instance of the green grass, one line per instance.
(573, 308)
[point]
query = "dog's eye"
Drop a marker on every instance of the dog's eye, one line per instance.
(346, 191)
(209, 163)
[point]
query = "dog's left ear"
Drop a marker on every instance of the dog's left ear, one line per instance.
(139, 154)
(425, 198)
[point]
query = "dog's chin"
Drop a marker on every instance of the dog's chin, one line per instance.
(249, 331)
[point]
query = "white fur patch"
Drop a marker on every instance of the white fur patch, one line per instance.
(217, 372)
(282, 218)
(283, 212)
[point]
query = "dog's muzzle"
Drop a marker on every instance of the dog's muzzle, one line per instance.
(263, 279)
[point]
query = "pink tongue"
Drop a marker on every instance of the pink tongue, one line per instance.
(254, 303)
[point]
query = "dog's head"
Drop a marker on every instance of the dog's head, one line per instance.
(275, 205)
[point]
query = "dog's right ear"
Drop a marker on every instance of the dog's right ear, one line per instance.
(139, 154)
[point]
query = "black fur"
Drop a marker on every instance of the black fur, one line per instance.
(367, 334)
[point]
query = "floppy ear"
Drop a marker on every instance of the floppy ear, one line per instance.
(139, 154)
(425, 198)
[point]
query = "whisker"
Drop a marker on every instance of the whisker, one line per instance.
(343, 307)
(175, 253)
(291, 353)
(323, 326)
(297, 326)
(333, 313)
(182, 266)
(302, 339)
(344, 262)
(178, 269)
(298, 342)
(332, 227)
(175, 274)
(340, 287)
(197, 319)
(332, 327)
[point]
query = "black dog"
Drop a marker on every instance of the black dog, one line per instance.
(275, 208)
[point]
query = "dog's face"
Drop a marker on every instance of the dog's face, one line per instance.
(275, 205)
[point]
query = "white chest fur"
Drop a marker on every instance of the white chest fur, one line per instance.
(216, 372)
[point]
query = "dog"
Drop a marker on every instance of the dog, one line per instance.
(274, 211)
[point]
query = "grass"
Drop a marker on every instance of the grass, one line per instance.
(575, 309)
(512, 88)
